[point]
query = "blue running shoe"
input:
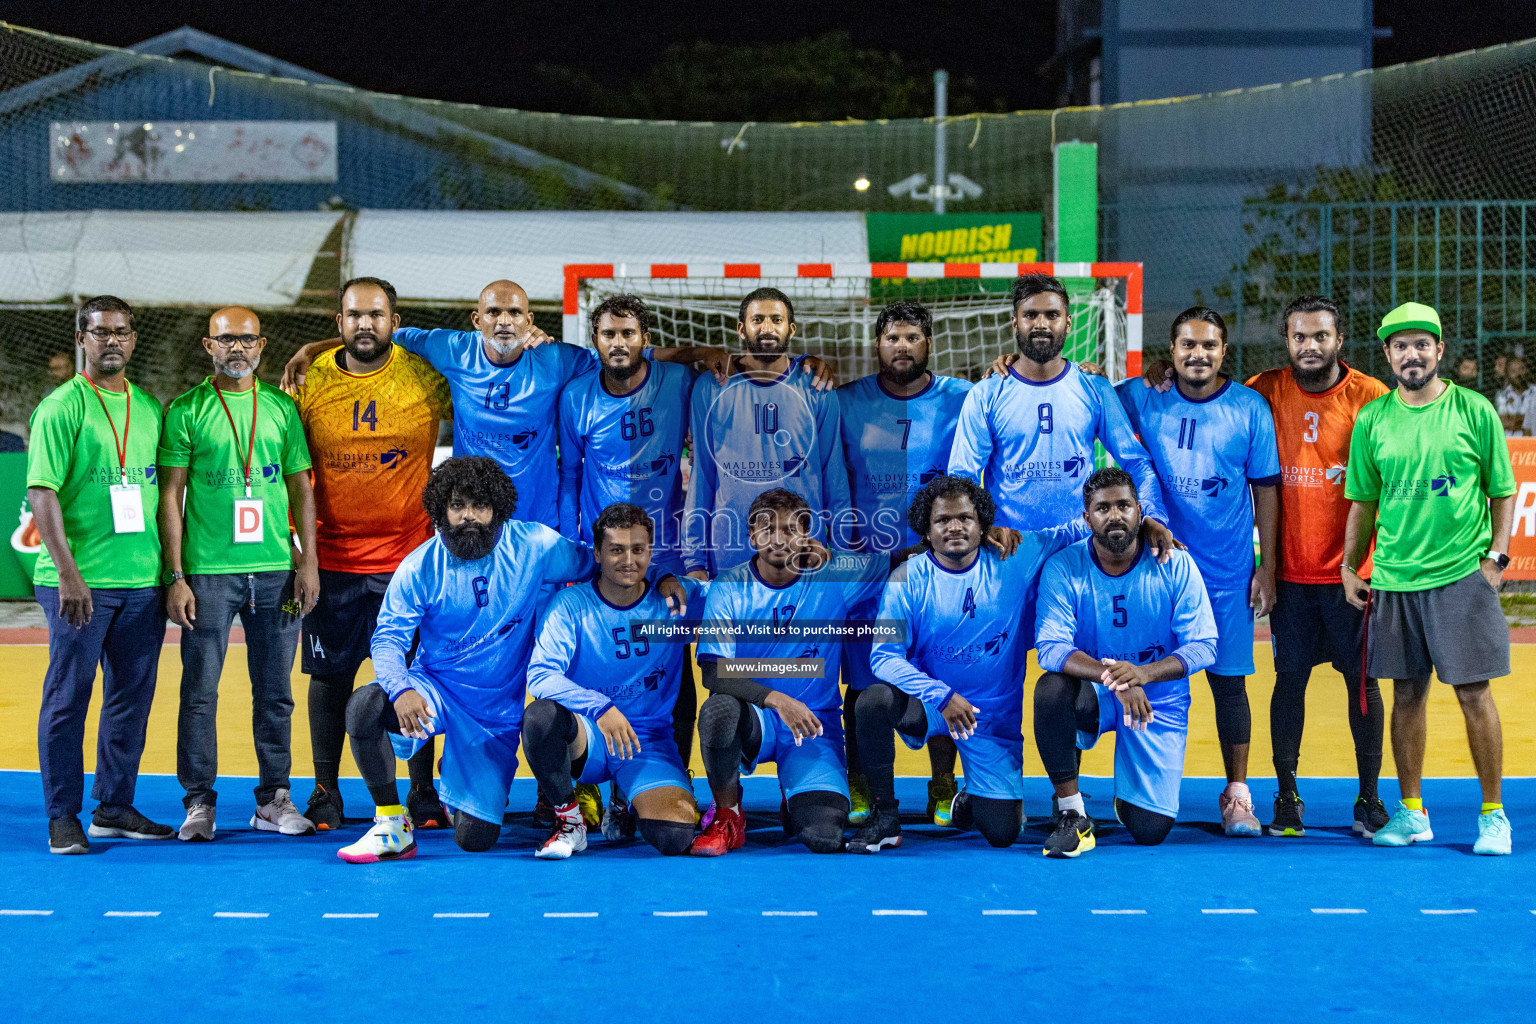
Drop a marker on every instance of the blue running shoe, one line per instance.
(1404, 828)
(1492, 834)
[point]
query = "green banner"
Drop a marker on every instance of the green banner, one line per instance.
(954, 237)
(21, 541)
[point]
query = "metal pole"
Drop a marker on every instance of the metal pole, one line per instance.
(940, 172)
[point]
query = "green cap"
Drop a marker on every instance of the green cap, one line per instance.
(1410, 316)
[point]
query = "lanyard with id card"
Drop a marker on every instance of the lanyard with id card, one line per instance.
(250, 513)
(127, 499)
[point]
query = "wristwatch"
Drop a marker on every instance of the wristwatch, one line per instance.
(173, 576)
(1498, 558)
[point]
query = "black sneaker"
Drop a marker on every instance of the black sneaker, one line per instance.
(1289, 808)
(619, 818)
(1072, 836)
(543, 813)
(324, 810)
(961, 814)
(880, 830)
(66, 836)
(1370, 815)
(126, 823)
(426, 809)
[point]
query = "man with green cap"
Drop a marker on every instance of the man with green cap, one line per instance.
(1430, 474)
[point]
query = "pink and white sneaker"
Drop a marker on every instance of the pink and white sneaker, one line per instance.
(1237, 817)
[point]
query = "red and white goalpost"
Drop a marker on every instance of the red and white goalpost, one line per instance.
(836, 305)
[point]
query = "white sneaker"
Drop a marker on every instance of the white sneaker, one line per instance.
(389, 839)
(199, 826)
(1237, 817)
(568, 837)
(281, 816)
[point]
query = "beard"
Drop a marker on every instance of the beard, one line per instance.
(240, 373)
(765, 344)
(1116, 540)
(470, 540)
(366, 346)
(1431, 372)
(624, 372)
(1312, 378)
(902, 378)
(1039, 346)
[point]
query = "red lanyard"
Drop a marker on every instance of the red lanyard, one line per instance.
(120, 445)
(250, 447)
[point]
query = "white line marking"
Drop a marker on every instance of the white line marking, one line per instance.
(132, 913)
(461, 915)
(349, 916)
(570, 913)
(1337, 910)
(899, 913)
(45, 913)
(679, 913)
(237, 913)
(1228, 910)
(1117, 911)
(1008, 913)
(1457, 910)
(789, 913)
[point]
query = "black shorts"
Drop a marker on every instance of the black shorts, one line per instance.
(337, 634)
(1314, 624)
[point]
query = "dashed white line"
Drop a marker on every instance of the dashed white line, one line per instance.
(461, 915)
(1116, 912)
(45, 913)
(899, 913)
(1337, 910)
(679, 913)
(349, 916)
(132, 913)
(238, 913)
(570, 913)
(1008, 913)
(789, 913)
(1228, 910)
(1454, 910)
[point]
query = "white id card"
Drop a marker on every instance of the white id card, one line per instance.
(127, 508)
(249, 521)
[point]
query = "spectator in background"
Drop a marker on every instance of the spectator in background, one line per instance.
(61, 368)
(1499, 378)
(90, 482)
(13, 435)
(1516, 400)
(1466, 372)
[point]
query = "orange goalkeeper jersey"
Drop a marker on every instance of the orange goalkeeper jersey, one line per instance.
(371, 438)
(1312, 431)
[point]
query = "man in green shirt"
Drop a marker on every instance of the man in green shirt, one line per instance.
(1429, 474)
(233, 456)
(91, 485)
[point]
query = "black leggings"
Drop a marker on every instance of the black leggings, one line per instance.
(728, 733)
(549, 729)
(1063, 707)
(684, 712)
(1148, 828)
(370, 719)
(328, 697)
(883, 711)
(1234, 720)
(1288, 715)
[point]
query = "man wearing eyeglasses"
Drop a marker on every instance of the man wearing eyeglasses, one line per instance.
(90, 483)
(233, 453)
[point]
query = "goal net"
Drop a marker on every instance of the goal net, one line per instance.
(836, 305)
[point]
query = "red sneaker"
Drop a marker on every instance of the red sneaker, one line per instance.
(726, 833)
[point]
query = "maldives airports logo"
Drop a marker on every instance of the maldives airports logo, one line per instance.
(1313, 476)
(365, 462)
(1072, 468)
(1418, 488)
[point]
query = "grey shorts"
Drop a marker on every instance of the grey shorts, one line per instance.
(1458, 630)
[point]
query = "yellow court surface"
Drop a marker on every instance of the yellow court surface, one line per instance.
(1326, 749)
